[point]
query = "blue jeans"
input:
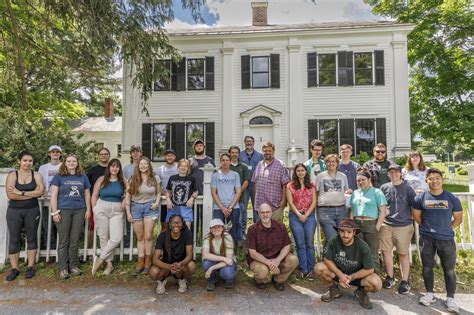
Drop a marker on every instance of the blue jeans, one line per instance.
(304, 239)
(227, 273)
(234, 218)
(330, 217)
(249, 194)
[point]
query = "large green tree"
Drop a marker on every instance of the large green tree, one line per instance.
(440, 54)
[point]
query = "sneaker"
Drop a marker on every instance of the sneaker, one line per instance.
(13, 274)
(451, 306)
(161, 286)
(108, 269)
(388, 282)
(403, 287)
(96, 265)
(211, 286)
(63, 275)
(279, 286)
(30, 273)
(310, 276)
(333, 293)
(363, 298)
(427, 299)
(183, 286)
(75, 271)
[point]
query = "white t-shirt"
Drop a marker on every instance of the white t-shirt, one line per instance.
(48, 171)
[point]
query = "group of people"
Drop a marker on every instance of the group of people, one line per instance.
(360, 210)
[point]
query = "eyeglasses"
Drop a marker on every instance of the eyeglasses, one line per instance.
(379, 151)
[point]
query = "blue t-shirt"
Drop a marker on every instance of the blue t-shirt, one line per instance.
(225, 184)
(366, 202)
(350, 170)
(71, 191)
(113, 192)
(436, 214)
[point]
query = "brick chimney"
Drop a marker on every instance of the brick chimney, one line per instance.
(259, 13)
(108, 108)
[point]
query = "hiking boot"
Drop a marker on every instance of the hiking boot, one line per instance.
(363, 298)
(76, 271)
(279, 286)
(427, 299)
(96, 264)
(451, 306)
(333, 293)
(147, 265)
(30, 273)
(13, 274)
(161, 286)
(183, 286)
(108, 269)
(403, 287)
(63, 275)
(211, 286)
(388, 282)
(140, 265)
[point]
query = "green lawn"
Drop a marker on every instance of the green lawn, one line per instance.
(444, 168)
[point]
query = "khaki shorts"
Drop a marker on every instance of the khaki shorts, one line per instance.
(398, 236)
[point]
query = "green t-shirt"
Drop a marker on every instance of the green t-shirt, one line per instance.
(216, 243)
(243, 170)
(349, 259)
(366, 202)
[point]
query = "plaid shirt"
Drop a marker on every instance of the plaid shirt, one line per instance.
(269, 181)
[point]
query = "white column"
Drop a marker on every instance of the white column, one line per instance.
(208, 169)
(470, 173)
(229, 117)
(3, 217)
(401, 122)
(130, 114)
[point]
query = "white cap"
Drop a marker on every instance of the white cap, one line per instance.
(54, 147)
(215, 222)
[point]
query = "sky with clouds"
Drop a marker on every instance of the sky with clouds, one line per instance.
(239, 12)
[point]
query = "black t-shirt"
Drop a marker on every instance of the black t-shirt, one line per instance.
(94, 174)
(181, 187)
(178, 247)
(198, 173)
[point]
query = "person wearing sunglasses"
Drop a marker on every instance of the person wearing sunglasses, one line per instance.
(378, 166)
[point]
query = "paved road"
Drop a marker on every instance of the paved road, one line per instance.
(98, 298)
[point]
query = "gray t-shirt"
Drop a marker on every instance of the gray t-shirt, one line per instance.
(128, 171)
(331, 189)
(400, 200)
(225, 184)
(164, 173)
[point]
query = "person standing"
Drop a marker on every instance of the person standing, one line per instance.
(70, 206)
(332, 187)
(368, 208)
(108, 203)
(378, 166)
(142, 204)
(244, 175)
(301, 196)
(23, 187)
(270, 178)
(315, 164)
(164, 172)
(414, 172)
(438, 213)
(250, 157)
(347, 166)
(397, 229)
(225, 191)
(136, 154)
(197, 162)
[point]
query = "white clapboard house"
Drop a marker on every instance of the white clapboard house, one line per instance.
(339, 82)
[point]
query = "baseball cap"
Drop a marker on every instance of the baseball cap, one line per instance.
(215, 222)
(54, 147)
(199, 141)
(168, 151)
(395, 167)
(135, 147)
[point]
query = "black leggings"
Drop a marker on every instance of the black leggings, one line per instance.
(446, 251)
(22, 218)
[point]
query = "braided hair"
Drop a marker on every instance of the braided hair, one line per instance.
(184, 227)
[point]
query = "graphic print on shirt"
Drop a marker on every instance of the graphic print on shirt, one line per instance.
(436, 204)
(180, 191)
(330, 185)
(74, 192)
(341, 260)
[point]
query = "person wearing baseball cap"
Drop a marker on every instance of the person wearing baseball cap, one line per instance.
(218, 256)
(197, 162)
(135, 156)
(348, 262)
(164, 172)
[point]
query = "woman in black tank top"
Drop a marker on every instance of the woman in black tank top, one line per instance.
(23, 187)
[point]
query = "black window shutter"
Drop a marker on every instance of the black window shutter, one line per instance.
(210, 139)
(312, 69)
(346, 132)
(381, 130)
(342, 64)
(209, 73)
(312, 132)
(245, 71)
(181, 75)
(349, 68)
(275, 70)
(178, 142)
(379, 68)
(146, 140)
(174, 76)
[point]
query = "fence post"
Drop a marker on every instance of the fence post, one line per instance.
(3, 217)
(208, 169)
(470, 174)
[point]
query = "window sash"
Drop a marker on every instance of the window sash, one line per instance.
(327, 69)
(363, 65)
(260, 74)
(164, 82)
(195, 73)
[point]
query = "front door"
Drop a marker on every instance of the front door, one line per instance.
(262, 134)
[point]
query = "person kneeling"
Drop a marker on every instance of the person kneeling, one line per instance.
(268, 244)
(348, 261)
(173, 255)
(218, 255)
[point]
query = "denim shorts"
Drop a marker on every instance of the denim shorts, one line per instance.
(185, 212)
(142, 211)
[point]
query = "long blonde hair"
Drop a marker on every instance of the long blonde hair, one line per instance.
(136, 179)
